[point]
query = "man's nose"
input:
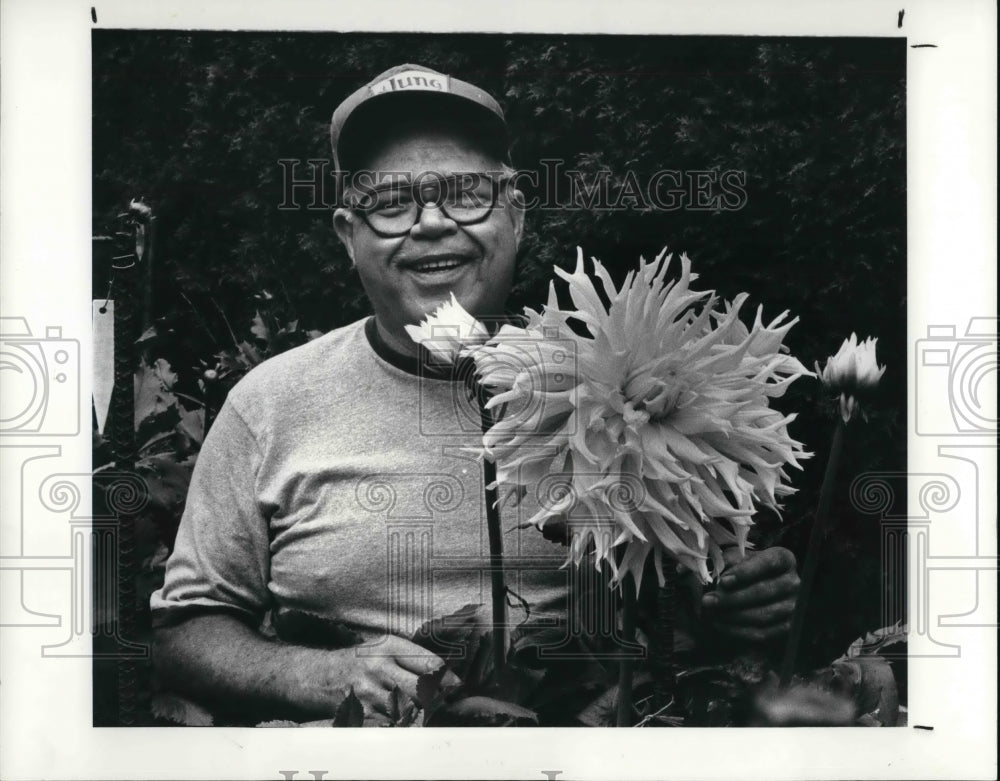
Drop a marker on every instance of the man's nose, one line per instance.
(432, 222)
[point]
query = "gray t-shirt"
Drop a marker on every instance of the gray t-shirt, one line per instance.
(337, 484)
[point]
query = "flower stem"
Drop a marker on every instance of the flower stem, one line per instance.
(661, 651)
(816, 537)
(625, 664)
(498, 587)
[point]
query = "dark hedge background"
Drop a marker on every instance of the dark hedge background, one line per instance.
(196, 123)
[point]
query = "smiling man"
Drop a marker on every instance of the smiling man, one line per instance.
(337, 504)
(453, 230)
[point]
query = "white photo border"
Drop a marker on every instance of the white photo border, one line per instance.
(45, 271)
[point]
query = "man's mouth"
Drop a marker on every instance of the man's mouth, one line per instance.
(435, 265)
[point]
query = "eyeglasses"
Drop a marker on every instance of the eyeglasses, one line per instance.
(391, 210)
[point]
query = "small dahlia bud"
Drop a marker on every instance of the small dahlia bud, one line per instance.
(448, 330)
(852, 372)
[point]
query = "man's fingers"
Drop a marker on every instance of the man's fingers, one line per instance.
(761, 593)
(396, 662)
(406, 681)
(408, 655)
(732, 556)
(756, 634)
(761, 616)
(763, 565)
(400, 679)
(419, 663)
(374, 696)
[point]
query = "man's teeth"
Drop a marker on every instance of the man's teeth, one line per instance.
(437, 265)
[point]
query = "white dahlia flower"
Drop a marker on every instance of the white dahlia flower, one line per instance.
(652, 433)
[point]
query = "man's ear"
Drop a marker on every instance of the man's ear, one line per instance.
(517, 205)
(343, 224)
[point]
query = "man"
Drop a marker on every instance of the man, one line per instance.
(338, 495)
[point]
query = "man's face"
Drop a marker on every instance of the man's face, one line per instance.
(409, 276)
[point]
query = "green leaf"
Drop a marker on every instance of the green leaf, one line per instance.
(152, 390)
(447, 636)
(600, 712)
(350, 712)
(259, 328)
(484, 712)
(147, 446)
(869, 682)
(873, 642)
(167, 482)
(250, 353)
(430, 689)
(167, 376)
(477, 670)
(148, 335)
(402, 709)
(192, 424)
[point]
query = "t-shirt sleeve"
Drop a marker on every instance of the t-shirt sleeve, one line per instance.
(220, 560)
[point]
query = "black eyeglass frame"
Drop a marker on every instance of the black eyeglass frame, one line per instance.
(419, 202)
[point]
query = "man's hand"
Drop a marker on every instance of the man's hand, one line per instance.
(217, 660)
(755, 598)
(373, 670)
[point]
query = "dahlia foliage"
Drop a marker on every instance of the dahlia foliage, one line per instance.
(650, 434)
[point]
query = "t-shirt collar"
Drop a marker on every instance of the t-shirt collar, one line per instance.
(420, 365)
(423, 364)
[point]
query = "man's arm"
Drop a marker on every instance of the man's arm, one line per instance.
(217, 660)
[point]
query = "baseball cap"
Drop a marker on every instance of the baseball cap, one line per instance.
(405, 90)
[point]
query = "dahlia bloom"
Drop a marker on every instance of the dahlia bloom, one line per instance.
(651, 434)
(447, 331)
(853, 371)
